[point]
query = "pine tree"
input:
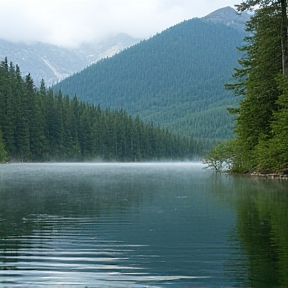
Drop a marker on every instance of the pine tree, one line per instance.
(41, 125)
(35, 119)
(257, 83)
(6, 105)
(272, 155)
(3, 152)
(281, 7)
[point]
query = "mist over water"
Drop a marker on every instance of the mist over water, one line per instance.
(121, 225)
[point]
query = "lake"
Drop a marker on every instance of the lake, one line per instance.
(140, 225)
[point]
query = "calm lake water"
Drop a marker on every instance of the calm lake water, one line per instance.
(140, 225)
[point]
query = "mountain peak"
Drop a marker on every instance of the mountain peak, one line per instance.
(229, 17)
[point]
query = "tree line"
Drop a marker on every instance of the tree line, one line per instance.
(43, 125)
(261, 143)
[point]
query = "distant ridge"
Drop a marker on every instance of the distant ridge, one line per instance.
(229, 17)
(54, 63)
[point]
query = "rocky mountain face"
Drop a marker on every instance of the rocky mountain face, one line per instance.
(228, 16)
(54, 63)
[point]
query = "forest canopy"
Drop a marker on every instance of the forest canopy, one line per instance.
(42, 125)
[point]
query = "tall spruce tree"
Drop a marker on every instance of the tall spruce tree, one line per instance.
(259, 121)
(281, 6)
(264, 58)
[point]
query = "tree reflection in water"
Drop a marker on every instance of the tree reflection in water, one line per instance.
(261, 227)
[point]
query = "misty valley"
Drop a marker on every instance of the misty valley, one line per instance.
(102, 181)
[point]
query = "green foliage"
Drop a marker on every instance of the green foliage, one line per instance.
(221, 156)
(281, 7)
(261, 87)
(261, 119)
(44, 125)
(272, 154)
(2, 149)
(174, 79)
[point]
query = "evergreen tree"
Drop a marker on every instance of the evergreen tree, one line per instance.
(6, 106)
(281, 6)
(272, 155)
(257, 82)
(2, 149)
(34, 117)
(39, 125)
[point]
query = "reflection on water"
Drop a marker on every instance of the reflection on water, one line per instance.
(261, 227)
(139, 225)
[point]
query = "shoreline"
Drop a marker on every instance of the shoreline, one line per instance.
(270, 175)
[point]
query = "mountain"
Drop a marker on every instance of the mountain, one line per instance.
(175, 78)
(54, 63)
(228, 16)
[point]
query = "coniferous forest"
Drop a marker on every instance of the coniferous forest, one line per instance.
(261, 142)
(175, 79)
(42, 125)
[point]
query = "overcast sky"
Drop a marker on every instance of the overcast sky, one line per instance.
(71, 22)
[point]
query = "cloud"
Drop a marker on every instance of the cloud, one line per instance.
(71, 22)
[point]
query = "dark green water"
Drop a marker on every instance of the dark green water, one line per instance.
(140, 225)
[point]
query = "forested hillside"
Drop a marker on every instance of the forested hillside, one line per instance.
(261, 143)
(41, 125)
(175, 78)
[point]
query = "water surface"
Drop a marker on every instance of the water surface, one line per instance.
(140, 225)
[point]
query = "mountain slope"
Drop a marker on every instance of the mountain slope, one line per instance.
(54, 63)
(176, 78)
